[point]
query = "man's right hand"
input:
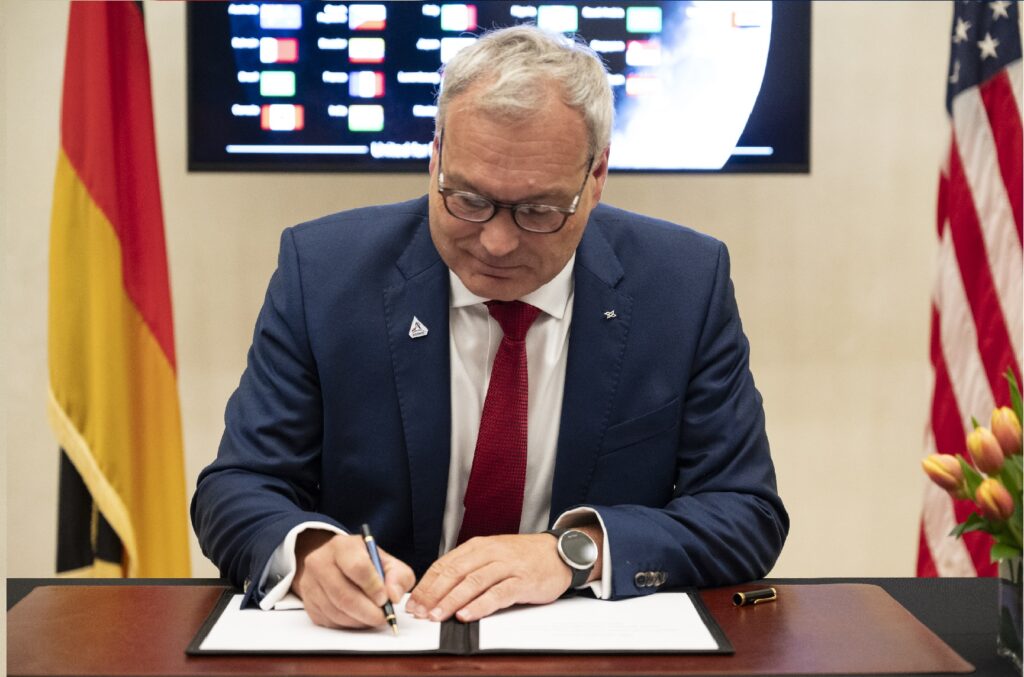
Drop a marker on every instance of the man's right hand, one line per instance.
(338, 584)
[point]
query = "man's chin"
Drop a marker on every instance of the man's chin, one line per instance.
(496, 288)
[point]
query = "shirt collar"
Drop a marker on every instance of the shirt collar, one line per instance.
(552, 298)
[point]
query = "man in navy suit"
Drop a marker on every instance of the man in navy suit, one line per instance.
(645, 448)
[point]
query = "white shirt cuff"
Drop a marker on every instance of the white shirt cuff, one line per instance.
(602, 587)
(280, 569)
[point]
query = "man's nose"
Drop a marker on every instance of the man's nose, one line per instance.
(500, 236)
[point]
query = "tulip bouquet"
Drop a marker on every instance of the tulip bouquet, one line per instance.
(993, 482)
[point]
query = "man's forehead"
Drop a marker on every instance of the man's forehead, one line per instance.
(555, 135)
(531, 171)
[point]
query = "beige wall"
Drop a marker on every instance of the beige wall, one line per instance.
(832, 270)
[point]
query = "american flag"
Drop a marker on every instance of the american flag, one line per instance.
(977, 299)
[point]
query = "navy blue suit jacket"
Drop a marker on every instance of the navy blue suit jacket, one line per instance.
(340, 416)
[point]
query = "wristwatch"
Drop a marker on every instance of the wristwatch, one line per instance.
(578, 551)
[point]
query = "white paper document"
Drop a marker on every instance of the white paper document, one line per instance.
(256, 630)
(666, 621)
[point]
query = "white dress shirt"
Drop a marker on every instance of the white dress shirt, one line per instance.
(474, 337)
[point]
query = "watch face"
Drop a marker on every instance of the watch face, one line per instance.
(579, 549)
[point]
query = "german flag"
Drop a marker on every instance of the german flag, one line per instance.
(113, 396)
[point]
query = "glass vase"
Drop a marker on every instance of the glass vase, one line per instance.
(1008, 643)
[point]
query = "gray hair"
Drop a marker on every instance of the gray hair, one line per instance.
(508, 63)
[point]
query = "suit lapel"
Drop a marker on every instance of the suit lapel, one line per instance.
(422, 382)
(600, 324)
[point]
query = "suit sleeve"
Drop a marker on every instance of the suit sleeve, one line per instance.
(725, 522)
(265, 479)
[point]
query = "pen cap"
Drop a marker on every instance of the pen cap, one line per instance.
(754, 597)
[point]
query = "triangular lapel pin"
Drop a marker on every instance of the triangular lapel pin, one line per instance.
(417, 329)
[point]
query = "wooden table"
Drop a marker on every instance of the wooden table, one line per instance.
(816, 627)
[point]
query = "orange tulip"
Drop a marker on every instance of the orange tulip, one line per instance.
(1006, 429)
(944, 470)
(995, 501)
(985, 450)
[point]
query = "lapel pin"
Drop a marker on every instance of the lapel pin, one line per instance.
(417, 329)
(610, 315)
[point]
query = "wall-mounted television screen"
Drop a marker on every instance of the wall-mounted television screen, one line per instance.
(707, 86)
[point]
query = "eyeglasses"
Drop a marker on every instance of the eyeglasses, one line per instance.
(475, 208)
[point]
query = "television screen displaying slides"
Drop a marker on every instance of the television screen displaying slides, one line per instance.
(702, 86)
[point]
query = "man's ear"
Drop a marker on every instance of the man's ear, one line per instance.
(434, 146)
(600, 172)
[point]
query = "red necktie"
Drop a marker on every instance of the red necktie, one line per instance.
(494, 494)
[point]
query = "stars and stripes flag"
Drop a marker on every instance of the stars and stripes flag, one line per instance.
(977, 301)
(113, 397)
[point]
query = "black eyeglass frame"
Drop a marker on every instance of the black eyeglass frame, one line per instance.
(514, 208)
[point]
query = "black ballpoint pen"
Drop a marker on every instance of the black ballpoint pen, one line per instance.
(371, 547)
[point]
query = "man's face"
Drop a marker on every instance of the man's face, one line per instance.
(539, 161)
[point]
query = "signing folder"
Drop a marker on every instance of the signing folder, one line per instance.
(667, 622)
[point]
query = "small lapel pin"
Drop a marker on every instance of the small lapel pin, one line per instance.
(417, 329)
(609, 314)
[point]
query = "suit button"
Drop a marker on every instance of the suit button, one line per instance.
(641, 579)
(660, 578)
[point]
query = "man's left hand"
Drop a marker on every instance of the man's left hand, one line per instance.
(489, 573)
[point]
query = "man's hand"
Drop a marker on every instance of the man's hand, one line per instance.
(490, 573)
(337, 582)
